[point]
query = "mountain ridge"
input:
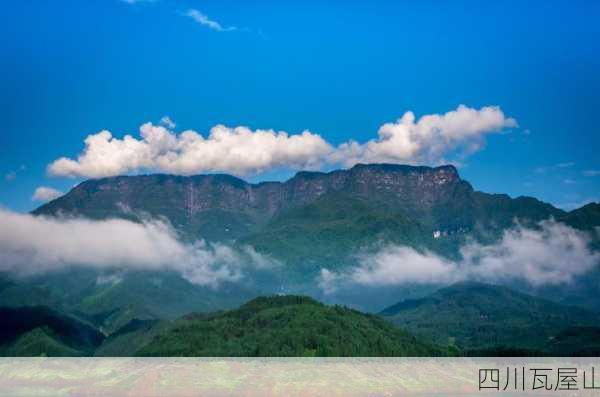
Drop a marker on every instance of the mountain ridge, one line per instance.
(221, 207)
(32, 330)
(295, 185)
(487, 318)
(318, 217)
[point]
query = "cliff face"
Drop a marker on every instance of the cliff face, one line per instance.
(196, 194)
(423, 186)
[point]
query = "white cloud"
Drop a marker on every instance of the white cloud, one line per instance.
(32, 245)
(382, 268)
(44, 193)
(393, 265)
(167, 122)
(237, 150)
(241, 150)
(202, 19)
(429, 139)
(591, 172)
(328, 281)
(554, 254)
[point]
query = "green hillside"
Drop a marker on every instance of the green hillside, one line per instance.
(464, 319)
(476, 316)
(130, 338)
(333, 226)
(109, 305)
(39, 342)
(286, 326)
(576, 342)
(38, 330)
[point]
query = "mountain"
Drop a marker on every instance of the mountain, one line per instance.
(39, 342)
(584, 218)
(314, 217)
(286, 326)
(308, 222)
(110, 301)
(480, 317)
(38, 330)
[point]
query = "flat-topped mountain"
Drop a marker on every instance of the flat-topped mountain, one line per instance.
(189, 200)
(389, 199)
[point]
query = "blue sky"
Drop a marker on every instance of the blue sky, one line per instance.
(341, 70)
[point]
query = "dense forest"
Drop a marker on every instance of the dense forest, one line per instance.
(287, 326)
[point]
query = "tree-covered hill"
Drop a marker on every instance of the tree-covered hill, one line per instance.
(286, 326)
(111, 304)
(130, 338)
(576, 342)
(38, 330)
(465, 319)
(480, 317)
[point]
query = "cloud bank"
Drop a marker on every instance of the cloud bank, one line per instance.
(243, 151)
(44, 194)
(553, 254)
(32, 245)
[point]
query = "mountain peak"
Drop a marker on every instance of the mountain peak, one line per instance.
(447, 170)
(406, 167)
(443, 173)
